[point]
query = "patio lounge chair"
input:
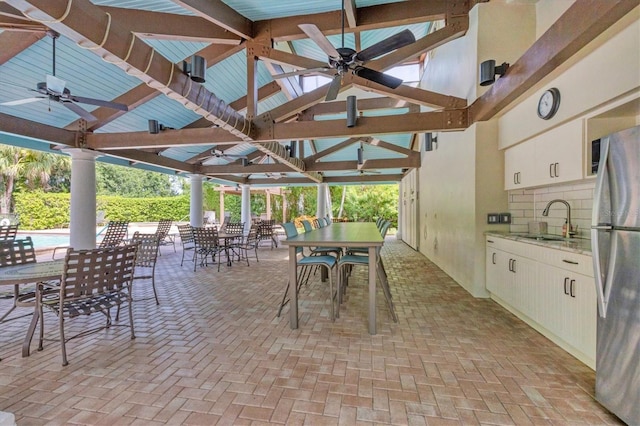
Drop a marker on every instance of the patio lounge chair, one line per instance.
(93, 281)
(115, 234)
(162, 231)
(8, 232)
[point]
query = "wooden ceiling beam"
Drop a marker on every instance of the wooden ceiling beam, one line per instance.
(31, 129)
(219, 13)
(87, 25)
(14, 42)
(351, 13)
(166, 139)
(365, 104)
(390, 146)
(169, 26)
(368, 18)
(407, 93)
(153, 159)
(582, 22)
(333, 148)
(390, 163)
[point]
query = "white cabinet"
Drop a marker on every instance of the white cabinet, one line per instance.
(518, 166)
(551, 290)
(553, 157)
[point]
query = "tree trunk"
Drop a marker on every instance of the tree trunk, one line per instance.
(5, 200)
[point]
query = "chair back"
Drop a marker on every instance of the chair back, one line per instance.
(186, 233)
(290, 229)
(164, 225)
(8, 232)
(379, 222)
(265, 228)
(147, 249)
(17, 252)
(205, 237)
(235, 228)
(114, 235)
(307, 226)
(385, 227)
(90, 273)
(252, 237)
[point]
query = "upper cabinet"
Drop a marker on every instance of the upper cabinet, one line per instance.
(553, 157)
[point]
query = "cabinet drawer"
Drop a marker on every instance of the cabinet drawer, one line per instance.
(574, 262)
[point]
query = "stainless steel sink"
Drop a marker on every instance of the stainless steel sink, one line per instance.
(543, 237)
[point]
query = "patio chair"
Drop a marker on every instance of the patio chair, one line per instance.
(316, 251)
(186, 237)
(250, 242)
(207, 244)
(233, 244)
(266, 232)
(93, 281)
(115, 234)
(148, 249)
(162, 231)
(326, 261)
(18, 252)
(8, 232)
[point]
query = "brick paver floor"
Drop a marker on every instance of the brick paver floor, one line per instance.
(214, 352)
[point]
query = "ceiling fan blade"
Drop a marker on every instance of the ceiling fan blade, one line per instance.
(24, 101)
(403, 38)
(378, 77)
(80, 111)
(99, 102)
(55, 84)
(302, 72)
(334, 88)
(320, 39)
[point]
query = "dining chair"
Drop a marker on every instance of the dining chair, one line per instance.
(207, 244)
(250, 243)
(233, 244)
(266, 232)
(146, 258)
(318, 251)
(325, 261)
(186, 238)
(93, 281)
(18, 252)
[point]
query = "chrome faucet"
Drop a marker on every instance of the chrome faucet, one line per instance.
(545, 212)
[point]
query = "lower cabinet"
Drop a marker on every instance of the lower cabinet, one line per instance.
(558, 301)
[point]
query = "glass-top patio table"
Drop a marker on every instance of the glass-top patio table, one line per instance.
(348, 234)
(31, 273)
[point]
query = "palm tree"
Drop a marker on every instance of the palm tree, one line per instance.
(20, 165)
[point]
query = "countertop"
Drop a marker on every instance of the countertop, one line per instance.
(573, 245)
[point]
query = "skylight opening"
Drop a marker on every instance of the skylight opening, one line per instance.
(409, 73)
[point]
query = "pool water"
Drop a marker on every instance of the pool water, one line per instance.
(41, 241)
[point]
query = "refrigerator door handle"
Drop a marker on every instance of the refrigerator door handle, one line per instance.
(600, 181)
(597, 272)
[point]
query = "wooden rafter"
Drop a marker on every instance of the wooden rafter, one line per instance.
(220, 14)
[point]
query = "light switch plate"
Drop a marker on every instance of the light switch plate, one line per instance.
(493, 218)
(505, 217)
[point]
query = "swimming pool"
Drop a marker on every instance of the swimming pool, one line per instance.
(41, 241)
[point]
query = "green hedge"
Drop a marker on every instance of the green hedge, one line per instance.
(42, 210)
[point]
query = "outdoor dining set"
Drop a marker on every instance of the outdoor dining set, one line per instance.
(84, 282)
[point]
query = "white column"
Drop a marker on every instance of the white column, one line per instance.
(267, 194)
(321, 204)
(245, 207)
(82, 226)
(195, 202)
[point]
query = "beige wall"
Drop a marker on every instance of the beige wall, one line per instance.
(461, 181)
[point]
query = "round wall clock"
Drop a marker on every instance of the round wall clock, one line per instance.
(549, 103)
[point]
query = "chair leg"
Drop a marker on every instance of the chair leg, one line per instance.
(62, 340)
(333, 315)
(153, 285)
(129, 302)
(284, 300)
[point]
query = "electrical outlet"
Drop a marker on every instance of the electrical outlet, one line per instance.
(493, 218)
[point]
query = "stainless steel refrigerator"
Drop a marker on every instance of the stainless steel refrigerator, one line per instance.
(615, 238)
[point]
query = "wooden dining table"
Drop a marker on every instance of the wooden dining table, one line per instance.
(31, 273)
(346, 234)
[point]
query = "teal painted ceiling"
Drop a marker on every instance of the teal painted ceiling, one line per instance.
(87, 74)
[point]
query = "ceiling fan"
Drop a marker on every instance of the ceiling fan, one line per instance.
(54, 89)
(218, 153)
(345, 59)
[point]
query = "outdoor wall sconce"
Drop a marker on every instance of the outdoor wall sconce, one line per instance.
(291, 149)
(155, 127)
(430, 142)
(360, 155)
(352, 111)
(196, 70)
(488, 71)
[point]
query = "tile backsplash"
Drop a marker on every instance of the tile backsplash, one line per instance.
(527, 205)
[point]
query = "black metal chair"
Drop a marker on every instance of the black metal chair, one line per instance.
(186, 238)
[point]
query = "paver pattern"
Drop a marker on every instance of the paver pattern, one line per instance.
(214, 352)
